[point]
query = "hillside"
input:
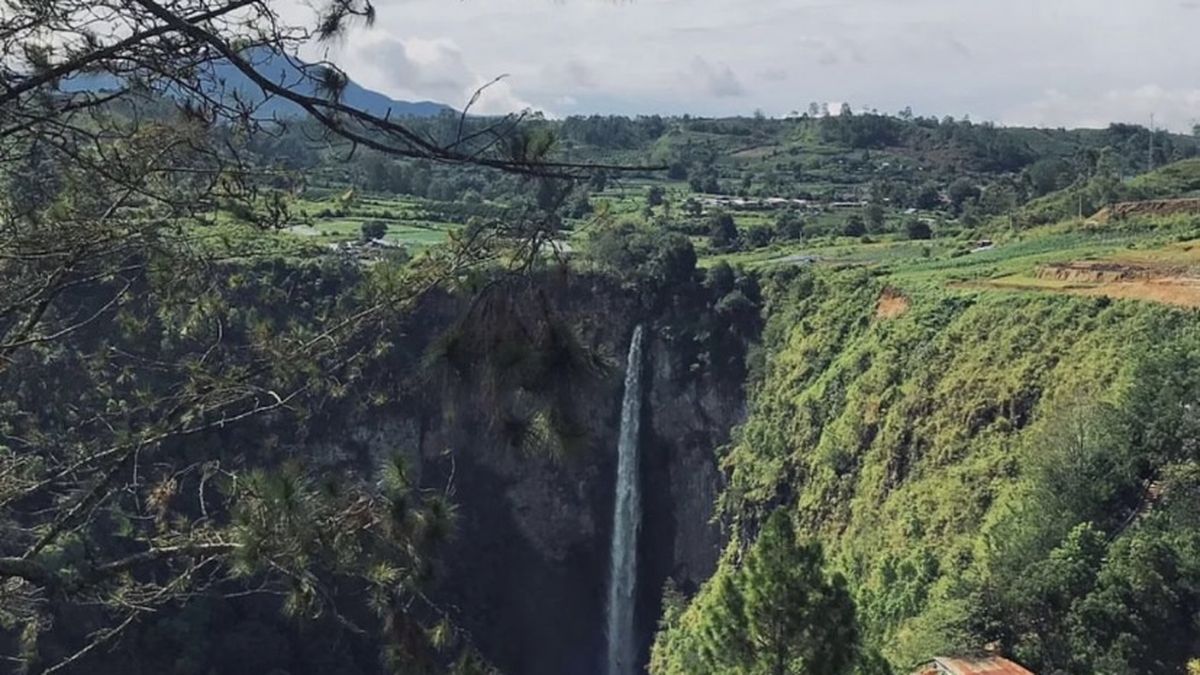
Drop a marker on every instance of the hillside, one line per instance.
(787, 184)
(1090, 197)
(977, 465)
(993, 445)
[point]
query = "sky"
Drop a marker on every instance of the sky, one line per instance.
(1015, 62)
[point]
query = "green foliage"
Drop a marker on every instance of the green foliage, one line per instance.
(915, 228)
(722, 231)
(962, 192)
(862, 131)
(777, 613)
(926, 196)
(984, 468)
(646, 258)
(522, 367)
(1179, 179)
(1103, 187)
(373, 229)
(757, 237)
(874, 214)
(1048, 175)
(789, 226)
(654, 196)
(854, 227)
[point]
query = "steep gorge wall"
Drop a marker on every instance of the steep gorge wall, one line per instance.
(526, 572)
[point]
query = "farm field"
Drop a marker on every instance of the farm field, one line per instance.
(413, 223)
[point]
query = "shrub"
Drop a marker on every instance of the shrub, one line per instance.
(918, 229)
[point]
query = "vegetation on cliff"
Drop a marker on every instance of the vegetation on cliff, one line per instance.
(1004, 470)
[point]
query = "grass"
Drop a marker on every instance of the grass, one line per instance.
(238, 240)
(335, 219)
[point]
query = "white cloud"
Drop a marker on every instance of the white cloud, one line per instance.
(717, 80)
(993, 59)
(418, 68)
(1177, 109)
(579, 74)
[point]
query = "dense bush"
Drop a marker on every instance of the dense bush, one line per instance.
(373, 229)
(645, 257)
(916, 228)
(777, 613)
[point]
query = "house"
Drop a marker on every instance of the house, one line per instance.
(983, 665)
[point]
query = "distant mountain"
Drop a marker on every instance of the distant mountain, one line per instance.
(281, 70)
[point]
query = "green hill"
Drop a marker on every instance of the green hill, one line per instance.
(1181, 179)
(1175, 180)
(1006, 469)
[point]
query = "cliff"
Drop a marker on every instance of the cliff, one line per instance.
(526, 572)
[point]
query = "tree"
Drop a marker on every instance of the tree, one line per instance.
(1047, 175)
(704, 180)
(374, 229)
(874, 214)
(998, 199)
(598, 181)
(927, 197)
(789, 226)
(916, 228)
(962, 192)
(580, 205)
(779, 613)
(722, 231)
(654, 196)
(646, 258)
(854, 226)
(758, 237)
(720, 279)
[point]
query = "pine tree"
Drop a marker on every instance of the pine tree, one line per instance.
(780, 613)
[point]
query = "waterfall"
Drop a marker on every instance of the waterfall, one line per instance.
(627, 518)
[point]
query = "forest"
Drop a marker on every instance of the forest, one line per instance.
(300, 379)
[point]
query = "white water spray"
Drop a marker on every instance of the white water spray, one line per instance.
(627, 519)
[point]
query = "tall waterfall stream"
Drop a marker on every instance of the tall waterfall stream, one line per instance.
(627, 519)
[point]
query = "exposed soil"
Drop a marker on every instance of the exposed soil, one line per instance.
(1153, 207)
(1181, 291)
(892, 304)
(1103, 271)
(1167, 284)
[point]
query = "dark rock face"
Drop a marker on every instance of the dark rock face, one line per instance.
(526, 574)
(529, 567)
(528, 570)
(688, 419)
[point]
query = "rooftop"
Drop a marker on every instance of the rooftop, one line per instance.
(987, 665)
